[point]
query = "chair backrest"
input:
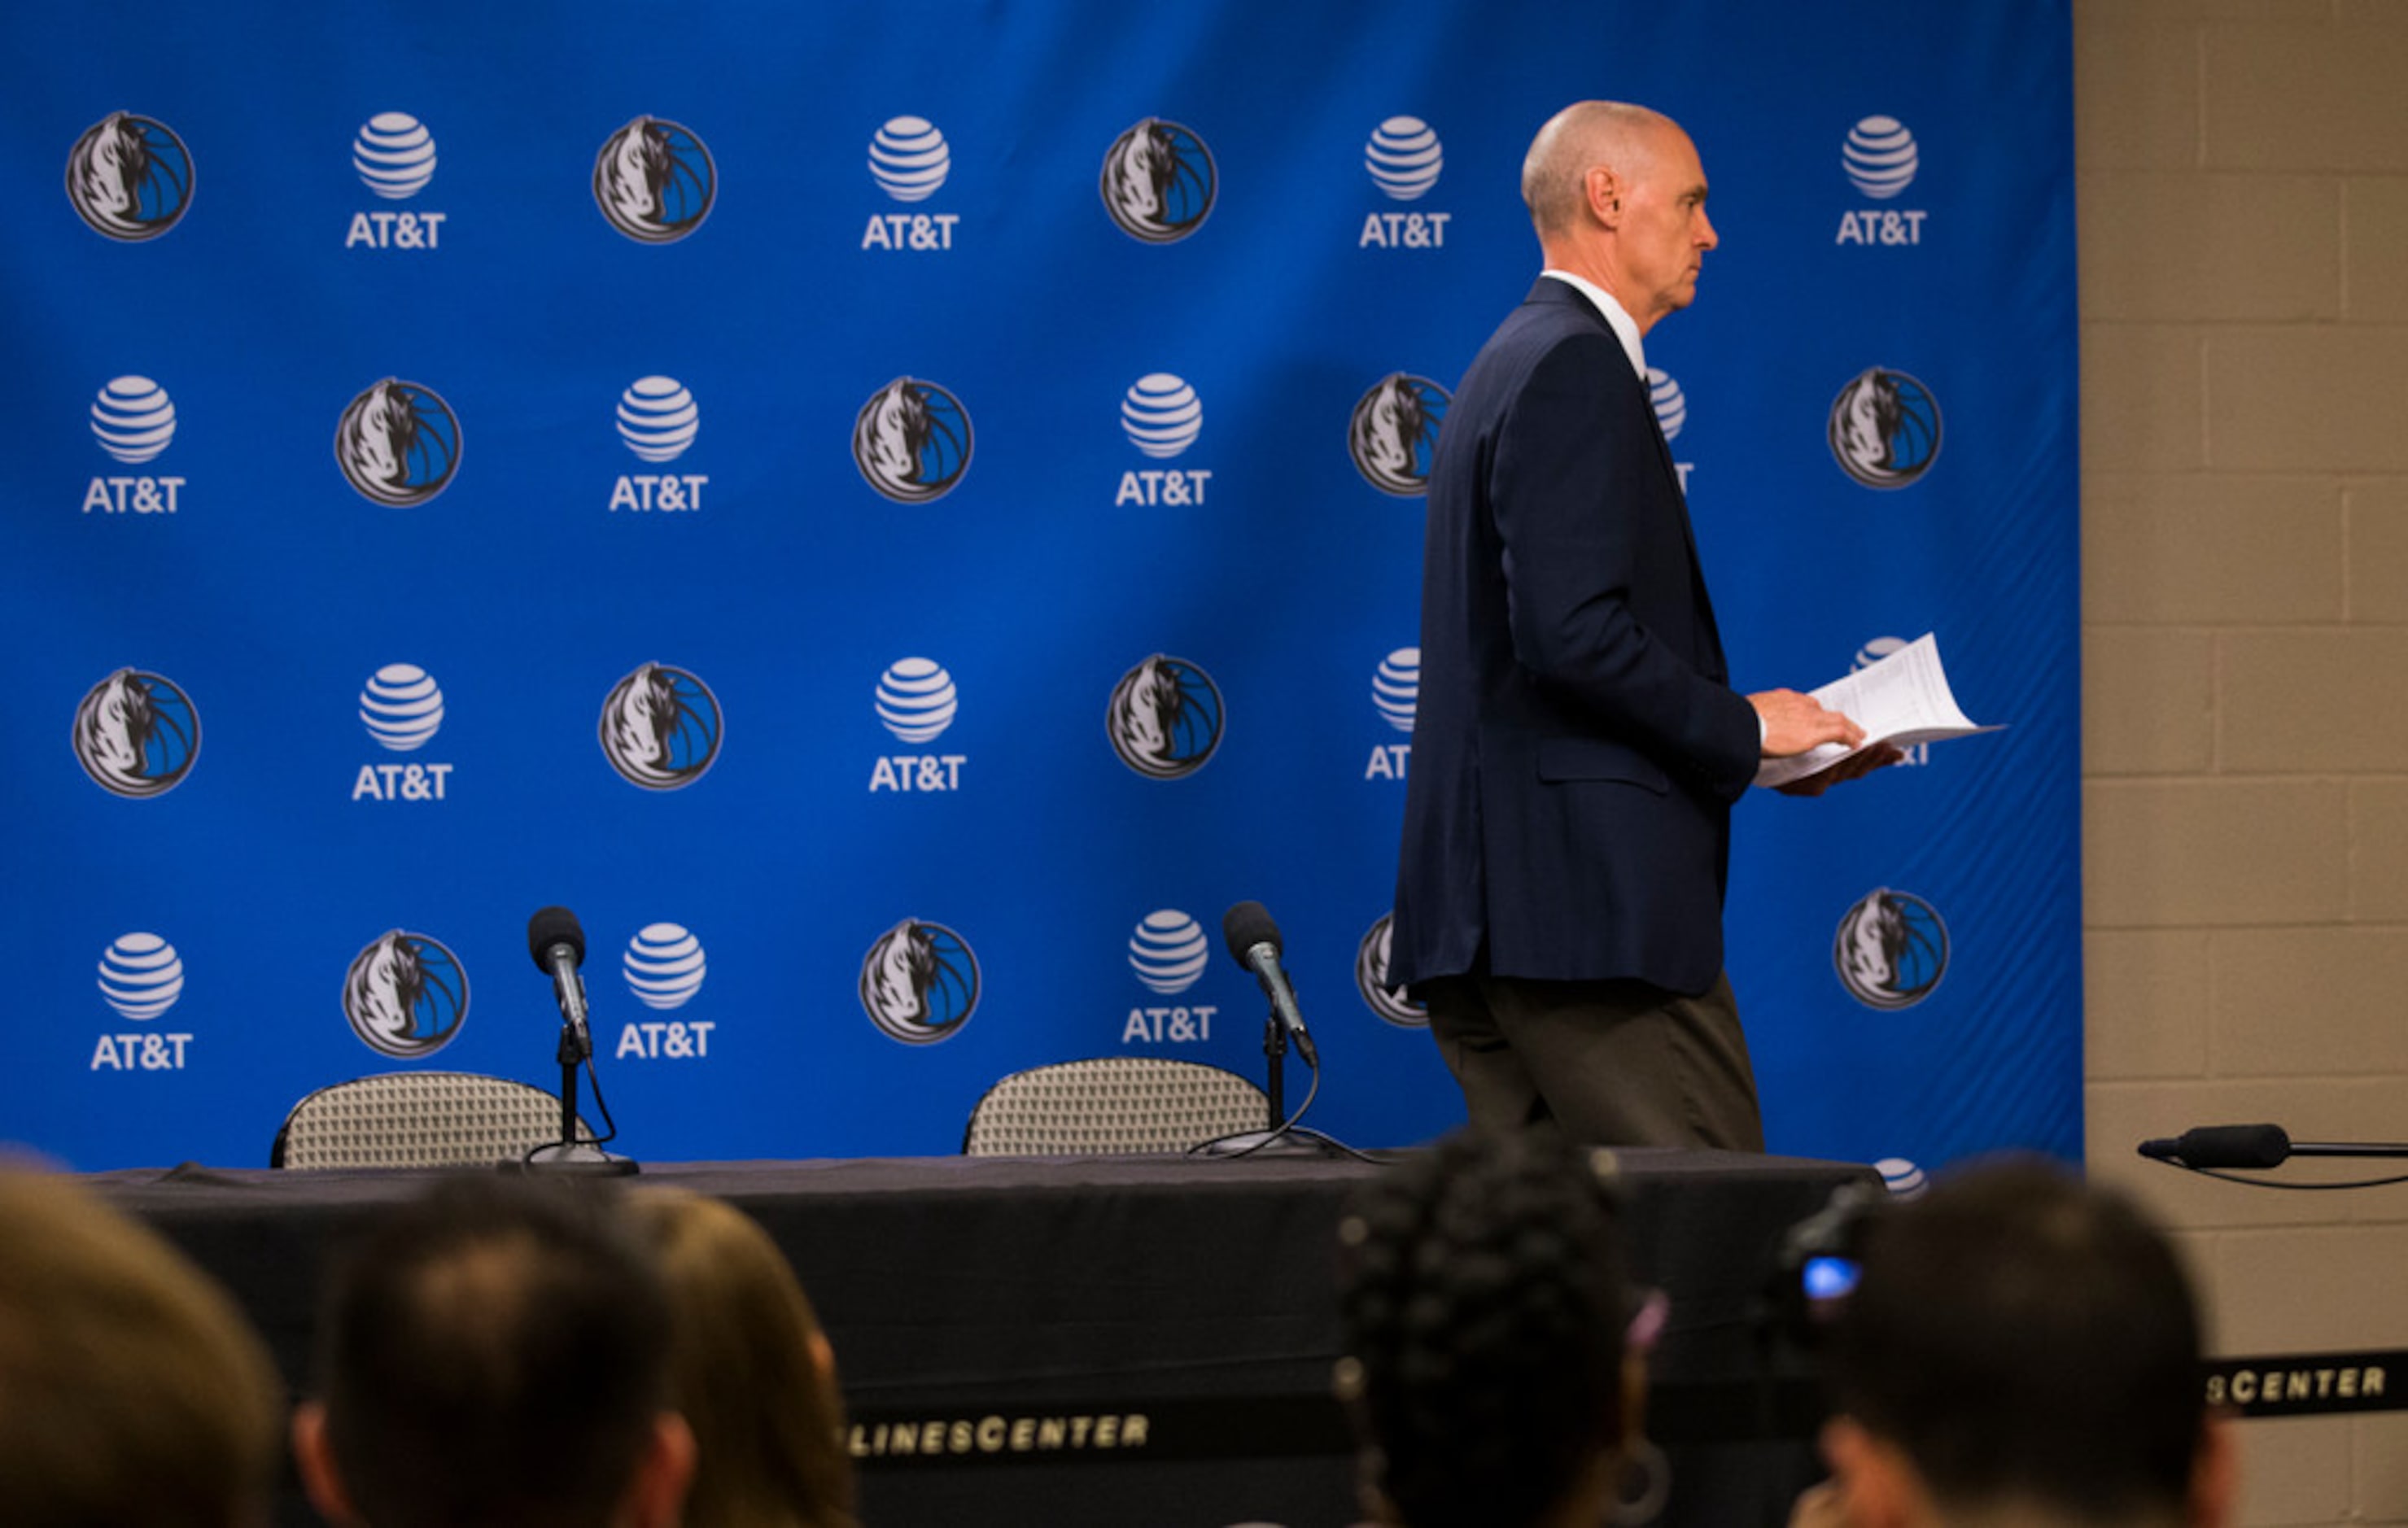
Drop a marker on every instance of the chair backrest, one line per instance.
(1113, 1104)
(418, 1120)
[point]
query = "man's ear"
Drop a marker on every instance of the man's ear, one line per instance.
(2215, 1474)
(314, 1457)
(1603, 189)
(656, 1492)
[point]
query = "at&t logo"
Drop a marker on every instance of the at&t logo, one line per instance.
(1158, 181)
(136, 734)
(1891, 949)
(398, 443)
(1164, 717)
(1394, 431)
(130, 178)
(402, 708)
(912, 441)
(919, 982)
(134, 421)
(1404, 158)
(1169, 951)
(1880, 159)
(1672, 408)
(141, 975)
(660, 728)
(658, 419)
(140, 978)
(1162, 416)
(405, 995)
(654, 180)
(909, 160)
(664, 966)
(916, 701)
(394, 154)
(1902, 1177)
(1884, 428)
(1371, 979)
(1396, 691)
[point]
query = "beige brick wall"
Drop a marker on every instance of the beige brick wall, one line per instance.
(2242, 201)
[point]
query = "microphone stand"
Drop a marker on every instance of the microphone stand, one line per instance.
(1275, 1066)
(569, 1155)
(1278, 1140)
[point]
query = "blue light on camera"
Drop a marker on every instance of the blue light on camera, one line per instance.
(1829, 1277)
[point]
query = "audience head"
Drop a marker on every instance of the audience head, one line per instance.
(2020, 1344)
(1485, 1311)
(496, 1352)
(749, 1370)
(132, 1395)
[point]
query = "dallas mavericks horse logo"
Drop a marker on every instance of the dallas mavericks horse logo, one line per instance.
(919, 982)
(405, 995)
(654, 180)
(129, 176)
(1891, 949)
(136, 735)
(1158, 181)
(660, 728)
(1884, 428)
(1395, 432)
(912, 441)
(398, 443)
(1164, 717)
(1371, 979)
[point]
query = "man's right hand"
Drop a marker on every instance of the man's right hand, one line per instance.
(1794, 722)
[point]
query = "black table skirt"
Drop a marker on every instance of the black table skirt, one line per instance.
(1139, 1340)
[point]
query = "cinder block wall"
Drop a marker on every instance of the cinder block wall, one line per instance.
(2243, 234)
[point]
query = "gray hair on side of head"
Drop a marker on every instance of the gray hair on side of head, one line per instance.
(1576, 139)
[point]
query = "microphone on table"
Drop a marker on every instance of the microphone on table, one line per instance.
(2223, 1146)
(1254, 942)
(557, 942)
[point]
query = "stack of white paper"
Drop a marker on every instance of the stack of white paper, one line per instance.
(1901, 700)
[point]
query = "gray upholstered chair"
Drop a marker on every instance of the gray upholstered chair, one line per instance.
(1112, 1106)
(418, 1120)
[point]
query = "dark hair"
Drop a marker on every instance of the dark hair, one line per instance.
(496, 1352)
(1483, 1299)
(132, 1393)
(2025, 1337)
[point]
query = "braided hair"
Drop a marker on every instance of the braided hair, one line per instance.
(1484, 1303)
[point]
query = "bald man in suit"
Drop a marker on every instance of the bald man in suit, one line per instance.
(1578, 745)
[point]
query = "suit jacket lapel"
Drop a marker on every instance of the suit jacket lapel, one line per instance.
(1550, 290)
(1706, 625)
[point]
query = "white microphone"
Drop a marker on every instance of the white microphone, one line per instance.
(1254, 942)
(557, 942)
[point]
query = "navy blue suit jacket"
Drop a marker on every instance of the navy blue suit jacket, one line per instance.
(1577, 746)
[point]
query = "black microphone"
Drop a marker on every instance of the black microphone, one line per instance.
(1254, 942)
(557, 942)
(2224, 1146)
